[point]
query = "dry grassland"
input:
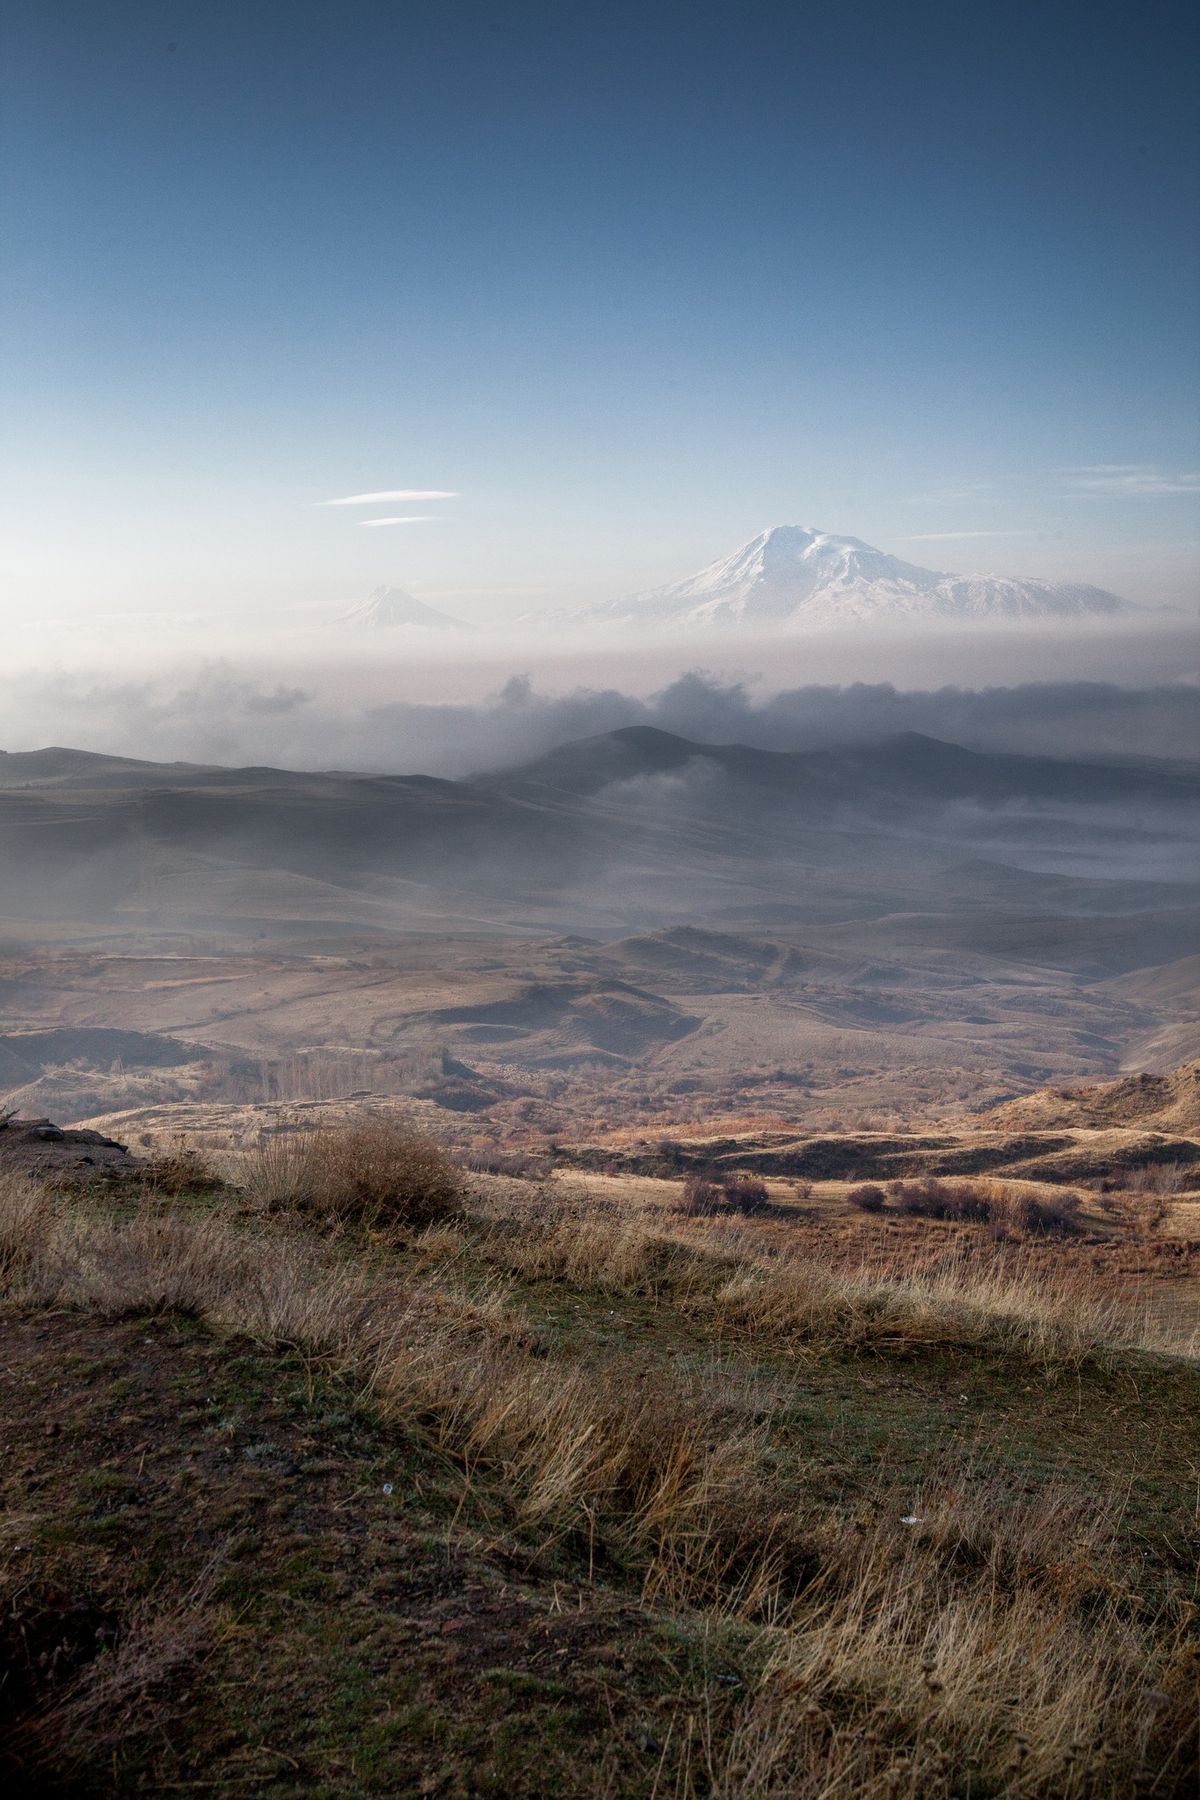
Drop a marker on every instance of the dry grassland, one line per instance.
(636, 1407)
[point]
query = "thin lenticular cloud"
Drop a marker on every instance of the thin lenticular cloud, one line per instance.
(411, 519)
(387, 494)
(1127, 481)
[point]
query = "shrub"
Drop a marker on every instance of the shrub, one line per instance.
(931, 1198)
(988, 1203)
(867, 1197)
(1156, 1178)
(1057, 1212)
(745, 1194)
(373, 1171)
(704, 1195)
(700, 1196)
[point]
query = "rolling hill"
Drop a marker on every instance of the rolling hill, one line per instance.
(633, 828)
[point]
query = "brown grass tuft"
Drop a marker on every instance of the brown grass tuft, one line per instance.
(373, 1172)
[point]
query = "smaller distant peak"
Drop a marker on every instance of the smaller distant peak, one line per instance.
(387, 607)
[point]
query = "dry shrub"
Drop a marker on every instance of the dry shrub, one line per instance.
(1165, 1179)
(373, 1172)
(706, 1196)
(867, 1198)
(700, 1195)
(280, 1173)
(1009, 1213)
(26, 1213)
(1028, 1215)
(929, 1197)
(1141, 1214)
(745, 1194)
(183, 1170)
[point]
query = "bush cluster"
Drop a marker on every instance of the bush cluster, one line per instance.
(928, 1197)
(985, 1203)
(704, 1195)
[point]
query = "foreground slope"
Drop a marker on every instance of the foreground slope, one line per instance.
(566, 1495)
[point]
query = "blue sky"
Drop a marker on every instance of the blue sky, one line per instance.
(630, 282)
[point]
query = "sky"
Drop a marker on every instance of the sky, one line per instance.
(599, 292)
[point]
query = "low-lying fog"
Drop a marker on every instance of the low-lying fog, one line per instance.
(452, 704)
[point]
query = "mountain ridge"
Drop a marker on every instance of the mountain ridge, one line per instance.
(898, 761)
(628, 829)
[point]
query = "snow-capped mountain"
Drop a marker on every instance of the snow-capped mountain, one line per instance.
(792, 577)
(387, 607)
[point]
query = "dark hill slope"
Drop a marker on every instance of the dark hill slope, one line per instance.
(633, 828)
(918, 769)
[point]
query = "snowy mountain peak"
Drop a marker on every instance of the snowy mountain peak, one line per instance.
(790, 576)
(388, 607)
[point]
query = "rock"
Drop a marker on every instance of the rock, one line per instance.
(41, 1149)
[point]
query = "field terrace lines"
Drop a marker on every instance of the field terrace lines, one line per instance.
(805, 1023)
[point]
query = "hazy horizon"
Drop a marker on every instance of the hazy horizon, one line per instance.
(1132, 694)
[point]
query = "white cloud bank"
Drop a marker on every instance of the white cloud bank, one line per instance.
(239, 716)
(408, 519)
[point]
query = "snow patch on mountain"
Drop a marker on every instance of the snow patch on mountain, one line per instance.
(789, 576)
